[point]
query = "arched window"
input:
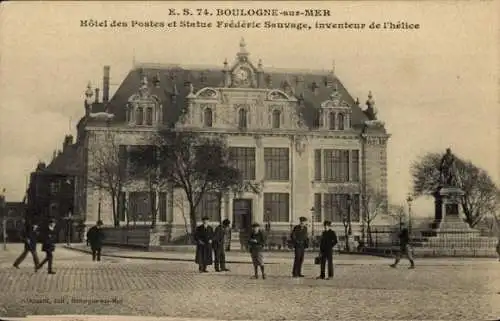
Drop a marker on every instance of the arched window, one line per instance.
(242, 118)
(331, 120)
(129, 114)
(207, 117)
(317, 119)
(139, 116)
(276, 119)
(149, 116)
(340, 120)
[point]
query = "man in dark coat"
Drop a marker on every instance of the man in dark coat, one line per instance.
(220, 241)
(49, 246)
(95, 237)
(404, 248)
(29, 236)
(203, 237)
(300, 242)
(328, 241)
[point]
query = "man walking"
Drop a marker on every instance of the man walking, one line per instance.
(221, 239)
(328, 241)
(300, 242)
(29, 236)
(203, 237)
(404, 248)
(95, 237)
(49, 246)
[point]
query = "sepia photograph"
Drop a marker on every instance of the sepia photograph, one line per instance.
(249, 160)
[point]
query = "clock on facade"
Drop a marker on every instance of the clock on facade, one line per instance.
(242, 74)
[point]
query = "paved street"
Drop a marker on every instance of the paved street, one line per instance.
(119, 286)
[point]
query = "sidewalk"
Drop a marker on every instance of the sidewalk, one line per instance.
(103, 318)
(239, 257)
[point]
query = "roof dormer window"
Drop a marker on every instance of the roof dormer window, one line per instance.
(207, 117)
(242, 118)
(276, 119)
(331, 120)
(144, 109)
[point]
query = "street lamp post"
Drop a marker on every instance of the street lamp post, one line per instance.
(68, 227)
(268, 220)
(4, 219)
(409, 200)
(349, 201)
(313, 221)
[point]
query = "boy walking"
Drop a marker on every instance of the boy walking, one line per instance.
(255, 246)
(404, 248)
(95, 237)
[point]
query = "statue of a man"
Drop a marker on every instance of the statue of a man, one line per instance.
(448, 170)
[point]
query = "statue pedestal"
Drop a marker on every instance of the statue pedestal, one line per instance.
(452, 221)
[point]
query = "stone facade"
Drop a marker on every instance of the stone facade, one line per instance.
(310, 116)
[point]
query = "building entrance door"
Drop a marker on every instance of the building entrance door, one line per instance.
(242, 214)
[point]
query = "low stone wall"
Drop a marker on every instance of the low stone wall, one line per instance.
(131, 236)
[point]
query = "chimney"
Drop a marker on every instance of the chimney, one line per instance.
(105, 85)
(96, 95)
(68, 141)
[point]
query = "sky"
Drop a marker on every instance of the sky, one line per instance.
(435, 87)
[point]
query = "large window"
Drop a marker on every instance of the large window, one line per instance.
(276, 119)
(140, 206)
(140, 159)
(317, 165)
(336, 165)
(337, 207)
(209, 206)
(277, 164)
(162, 207)
(207, 117)
(317, 207)
(355, 165)
(279, 206)
(242, 118)
(243, 158)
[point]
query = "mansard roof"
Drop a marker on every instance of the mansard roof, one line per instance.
(165, 80)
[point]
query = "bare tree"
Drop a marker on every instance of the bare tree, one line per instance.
(107, 171)
(480, 191)
(398, 214)
(372, 204)
(196, 164)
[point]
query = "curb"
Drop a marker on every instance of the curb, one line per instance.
(174, 259)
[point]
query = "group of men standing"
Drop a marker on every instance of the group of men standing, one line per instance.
(211, 245)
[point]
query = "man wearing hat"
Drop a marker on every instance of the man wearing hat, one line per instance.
(95, 237)
(221, 239)
(49, 246)
(29, 235)
(328, 241)
(299, 242)
(203, 237)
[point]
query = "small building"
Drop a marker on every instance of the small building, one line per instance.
(51, 191)
(310, 146)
